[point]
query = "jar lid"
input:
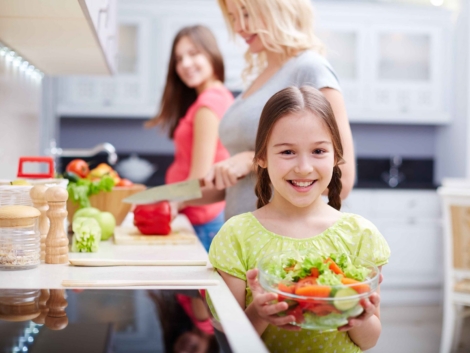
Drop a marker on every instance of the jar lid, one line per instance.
(18, 216)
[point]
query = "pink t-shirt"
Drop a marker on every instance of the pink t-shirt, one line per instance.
(217, 99)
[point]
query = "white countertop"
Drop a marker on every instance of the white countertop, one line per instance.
(182, 277)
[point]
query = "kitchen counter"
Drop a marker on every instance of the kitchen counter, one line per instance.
(176, 277)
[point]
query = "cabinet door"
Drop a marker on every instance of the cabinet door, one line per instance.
(406, 71)
(125, 94)
(416, 246)
(345, 46)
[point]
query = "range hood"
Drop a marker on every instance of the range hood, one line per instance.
(62, 37)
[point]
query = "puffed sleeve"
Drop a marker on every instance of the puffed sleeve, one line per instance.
(371, 244)
(226, 251)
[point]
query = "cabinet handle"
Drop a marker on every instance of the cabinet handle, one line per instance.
(103, 12)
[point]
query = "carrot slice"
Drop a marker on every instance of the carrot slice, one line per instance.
(334, 267)
(356, 285)
(313, 291)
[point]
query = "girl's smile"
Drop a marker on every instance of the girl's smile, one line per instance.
(302, 185)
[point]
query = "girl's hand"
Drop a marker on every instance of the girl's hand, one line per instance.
(226, 173)
(370, 305)
(263, 306)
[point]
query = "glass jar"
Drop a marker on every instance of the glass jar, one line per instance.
(19, 238)
(19, 304)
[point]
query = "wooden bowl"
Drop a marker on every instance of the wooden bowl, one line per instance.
(109, 202)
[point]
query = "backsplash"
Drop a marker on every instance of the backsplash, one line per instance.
(395, 172)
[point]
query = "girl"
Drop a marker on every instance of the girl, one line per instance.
(193, 102)
(282, 51)
(297, 153)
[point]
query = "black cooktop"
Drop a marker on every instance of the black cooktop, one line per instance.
(102, 321)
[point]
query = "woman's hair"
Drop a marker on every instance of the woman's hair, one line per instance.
(284, 27)
(177, 97)
(292, 100)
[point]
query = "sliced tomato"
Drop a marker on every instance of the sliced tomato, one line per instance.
(323, 309)
(307, 281)
(297, 313)
(315, 272)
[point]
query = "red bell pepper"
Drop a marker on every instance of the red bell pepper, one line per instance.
(154, 219)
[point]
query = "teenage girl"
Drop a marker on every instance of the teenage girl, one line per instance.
(193, 102)
(298, 152)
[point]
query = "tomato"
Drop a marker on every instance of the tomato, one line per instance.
(125, 182)
(307, 281)
(79, 167)
(297, 313)
(323, 309)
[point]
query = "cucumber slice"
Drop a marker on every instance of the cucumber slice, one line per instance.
(343, 304)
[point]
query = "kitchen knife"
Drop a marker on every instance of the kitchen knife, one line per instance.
(186, 190)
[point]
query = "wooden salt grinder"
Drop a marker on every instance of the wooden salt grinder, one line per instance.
(57, 250)
(56, 318)
(41, 319)
(38, 195)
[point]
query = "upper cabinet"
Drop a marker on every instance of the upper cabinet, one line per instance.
(62, 37)
(392, 60)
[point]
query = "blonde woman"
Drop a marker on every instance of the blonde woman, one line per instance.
(282, 51)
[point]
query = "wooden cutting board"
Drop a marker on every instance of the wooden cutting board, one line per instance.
(132, 236)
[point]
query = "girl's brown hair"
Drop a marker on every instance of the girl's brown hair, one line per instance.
(177, 97)
(293, 100)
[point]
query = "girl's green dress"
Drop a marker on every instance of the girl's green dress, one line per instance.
(242, 241)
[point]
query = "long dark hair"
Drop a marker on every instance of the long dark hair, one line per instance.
(288, 101)
(177, 97)
(175, 322)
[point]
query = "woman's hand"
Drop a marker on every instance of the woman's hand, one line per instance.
(370, 306)
(263, 306)
(226, 173)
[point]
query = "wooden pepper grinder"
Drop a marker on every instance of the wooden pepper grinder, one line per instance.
(41, 319)
(57, 250)
(38, 195)
(56, 318)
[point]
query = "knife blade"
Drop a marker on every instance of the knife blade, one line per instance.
(185, 190)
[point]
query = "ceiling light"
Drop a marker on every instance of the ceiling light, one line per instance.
(437, 2)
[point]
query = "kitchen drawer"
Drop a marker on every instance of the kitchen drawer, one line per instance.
(405, 204)
(416, 259)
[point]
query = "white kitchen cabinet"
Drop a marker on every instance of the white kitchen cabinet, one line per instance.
(146, 32)
(392, 61)
(126, 94)
(410, 222)
(61, 37)
(103, 16)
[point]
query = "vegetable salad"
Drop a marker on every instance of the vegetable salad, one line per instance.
(322, 292)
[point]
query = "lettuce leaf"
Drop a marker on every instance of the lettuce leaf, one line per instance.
(86, 235)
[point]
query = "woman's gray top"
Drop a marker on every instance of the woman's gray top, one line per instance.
(240, 123)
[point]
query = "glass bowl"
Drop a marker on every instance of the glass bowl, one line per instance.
(317, 306)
